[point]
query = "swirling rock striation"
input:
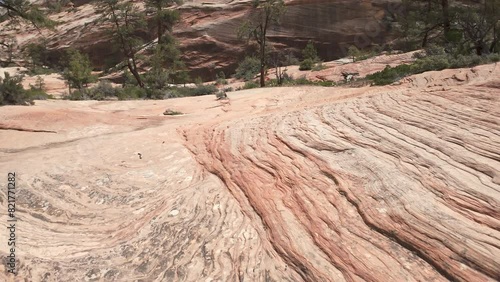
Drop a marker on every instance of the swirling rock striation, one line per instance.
(396, 183)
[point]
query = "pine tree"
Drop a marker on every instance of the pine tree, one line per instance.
(264, 15)
(78, 72)
(126, 21)
(27, 11)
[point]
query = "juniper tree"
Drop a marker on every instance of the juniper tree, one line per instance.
(25, 10)
(264, 15)
(126, 21)
(166, 62)
(78, 71)
(466, 26)
(164, 17)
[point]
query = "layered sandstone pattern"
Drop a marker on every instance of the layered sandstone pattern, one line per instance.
(398, 183)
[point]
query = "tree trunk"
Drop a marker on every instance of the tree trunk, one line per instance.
(160, 32)
(263, 63)
(133, 69)
(262, 75)
(446, 17)
(426, 34)
(425, 39)
(479, 48)
(493, 46)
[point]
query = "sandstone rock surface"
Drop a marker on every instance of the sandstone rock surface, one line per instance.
(397, 183)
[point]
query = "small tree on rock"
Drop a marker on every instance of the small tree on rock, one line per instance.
(126, 21)
(265, 14)
(78, 72)
(12, 91)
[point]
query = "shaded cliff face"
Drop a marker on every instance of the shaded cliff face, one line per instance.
(209, 37)
(207, 31)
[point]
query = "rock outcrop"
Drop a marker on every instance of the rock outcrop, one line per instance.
(396, 183)
(208, 31)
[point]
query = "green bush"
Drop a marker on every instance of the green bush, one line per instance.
(250, 85)
(248, 68)
(204, 89)
(170, 112)
(390, 74)
(310, 53)
(78, 70)
(199, 90)
(37, 94)
(38, 53)
(310, 57)
(429, 63)
(12, 92)
(306, 64)
(438, 62)
(494, 58)
(221, 78)
(38, 70)
(290, 60)
(354, 53)
(104, 89)
(131, 92)
(77, 95)
(56, 6)
(433, 50)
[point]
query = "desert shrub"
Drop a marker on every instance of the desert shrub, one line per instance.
(131, 92)
(290, 60)
(37, 94)
(390, 74)
(199, 90)
(12, 92)
(170, 112)
(76, 95)
(354, 53)
(310, 53)
(429, 63)
(433, 50)
(248, 68)
(38, 53)
(38, 70)
(220, 95)
(306, 64)
(78, 70)
(56, 6)
(310, 57)
(204, 89)
(358, 55)
(37, 91)
(250, 85)
(156, 79)
(104, 89)
(419, 55)
(494, 57)
(290, 81)
(221, 78)
(301, 81)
